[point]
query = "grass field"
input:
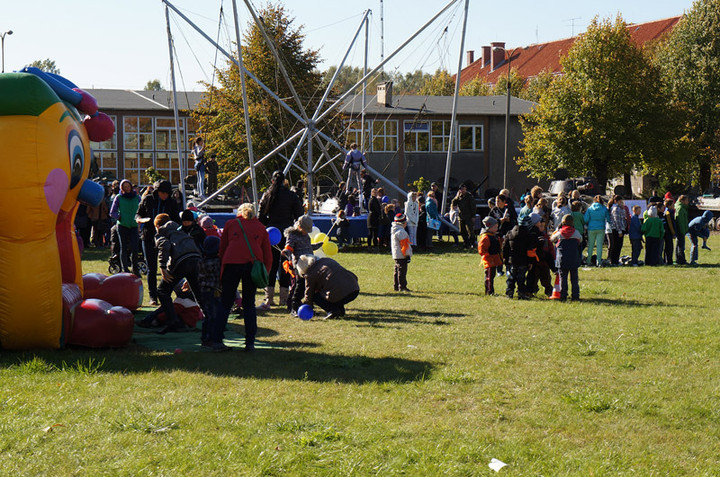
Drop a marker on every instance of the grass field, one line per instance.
(436, 382)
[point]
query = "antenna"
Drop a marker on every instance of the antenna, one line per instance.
(572, 24)
(537, 37)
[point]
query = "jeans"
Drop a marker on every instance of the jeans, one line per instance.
(129, 240)
(233, 275)
(400, 275)
(201, 182)
(595, 240)
(277, 273)
(636, 248)
(668, 250)
(467, 230)
(412, 234)
(516, 276)
(211, 306)
(693, 248)
(616, 244)
(680, 250)
(187, 269)
(151, 257)
(574, 279)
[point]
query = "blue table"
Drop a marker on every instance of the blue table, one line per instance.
(358, 225)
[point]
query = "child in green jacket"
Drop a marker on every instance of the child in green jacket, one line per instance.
(653, 230)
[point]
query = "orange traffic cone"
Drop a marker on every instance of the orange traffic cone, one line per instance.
(556, 289)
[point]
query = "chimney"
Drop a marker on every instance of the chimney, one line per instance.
(498, 54)
(384, 93)
(486, 50)
(470, 56)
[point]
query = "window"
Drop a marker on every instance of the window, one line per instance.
(106, 152)
(165, 135)
(417, 136)
(470, 137)
(384, 136)
(167, 165)
(138, 133)
(354, 135)
(135, 165)
(440, 136)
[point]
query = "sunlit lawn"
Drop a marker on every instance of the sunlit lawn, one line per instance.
(436, 382)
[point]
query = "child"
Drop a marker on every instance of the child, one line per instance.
(579, 220)
(698, 227)
(342, 229)
(210, 229)
(681, 226)
(653, 231)
(297, 243)
(545, 255)
(490, 250)
(190, 227)
(516, 245)
(567, 257)
(635, 234)
(401, 252)
(209, 281)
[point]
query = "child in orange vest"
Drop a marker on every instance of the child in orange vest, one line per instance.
(490, 250)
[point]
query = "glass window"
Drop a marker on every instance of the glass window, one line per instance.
(384, 136)
(107, 162)
(353, 133)
(470, 137)
(110, 144)
(138, 133)
(165, 134)
(440, 136)
(135, 165)
(417, 136)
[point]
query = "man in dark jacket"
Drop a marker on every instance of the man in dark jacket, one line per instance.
(373, 219)
(466, 209)
(179, 258)
(159, 202)
(515, 251)
(328, 284)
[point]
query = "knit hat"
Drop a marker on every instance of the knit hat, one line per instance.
(652, 211)
(187, 215)
(211, 245)
(400, 218)
(668, 195)
(206, 222)
(305, 262)
(164, 186)
(535, 218)
(526, 221)
(305, 223)
(489, 221)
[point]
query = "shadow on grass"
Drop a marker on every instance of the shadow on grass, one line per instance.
(280, 364)
(625, 302)
(379, 317)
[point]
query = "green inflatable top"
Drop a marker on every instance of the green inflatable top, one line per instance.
(23, 94)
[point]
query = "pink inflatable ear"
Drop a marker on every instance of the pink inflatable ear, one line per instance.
(88, 104)
(99, 127)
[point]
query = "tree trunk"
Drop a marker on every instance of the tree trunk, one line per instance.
(704, 175)
(601, 174)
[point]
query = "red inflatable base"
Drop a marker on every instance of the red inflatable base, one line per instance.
(98, 324)
(122, 289)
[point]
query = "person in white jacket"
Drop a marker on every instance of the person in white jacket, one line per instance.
(412, 212)
(401, 252)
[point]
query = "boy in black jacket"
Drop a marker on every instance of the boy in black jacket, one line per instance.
(518, 242)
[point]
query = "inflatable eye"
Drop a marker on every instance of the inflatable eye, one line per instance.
(77, 158)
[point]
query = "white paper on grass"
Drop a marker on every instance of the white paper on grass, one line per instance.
(496, 465)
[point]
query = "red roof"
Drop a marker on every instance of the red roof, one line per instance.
(532, 60)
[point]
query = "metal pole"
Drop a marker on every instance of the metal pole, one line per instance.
(310, 176)
(382, 63)
(364, 89)
(507, 123)
(248, 136)
(180, 140)
(306, 131)
(382, 38)
(453, 118)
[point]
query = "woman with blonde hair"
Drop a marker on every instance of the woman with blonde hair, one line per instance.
(244, 240)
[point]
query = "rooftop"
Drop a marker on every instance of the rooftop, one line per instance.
(120, 99)
(409, 105)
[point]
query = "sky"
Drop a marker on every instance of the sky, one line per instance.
(123, 44)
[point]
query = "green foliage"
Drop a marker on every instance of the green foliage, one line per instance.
(606, 114)
(516, 84)
(475, 87)
(536, 86)
(439, 84)
(47, 65)
(690, 63)
(221, 110)
(154, 85)
(421, 185)
(153, 175)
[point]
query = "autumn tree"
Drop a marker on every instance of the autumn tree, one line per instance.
(475, 87)
(220, 112)
(153, 85)
(517, 83)
(47, 65)
(690, 62)
(606, 114)
(439, 84)
(536, 86)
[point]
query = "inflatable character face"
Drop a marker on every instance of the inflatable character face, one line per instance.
(47, 159)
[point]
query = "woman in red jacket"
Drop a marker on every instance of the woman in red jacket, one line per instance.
(237, 264)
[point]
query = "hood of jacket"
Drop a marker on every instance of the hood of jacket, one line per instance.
(169, 227)
(707, 216)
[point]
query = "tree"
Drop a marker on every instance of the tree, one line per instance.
(475, 87)
(220, 112)
(536, 86)
(690, 63)
(47, 65)
(439, 84)
(154, 85)
(409, 83)
(516, 84)
(607, 114)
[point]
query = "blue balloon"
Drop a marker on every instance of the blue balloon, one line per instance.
(275, 235)
(305, 312)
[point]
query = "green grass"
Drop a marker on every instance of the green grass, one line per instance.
(438, 382)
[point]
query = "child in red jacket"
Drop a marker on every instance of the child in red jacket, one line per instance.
(490, 250)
